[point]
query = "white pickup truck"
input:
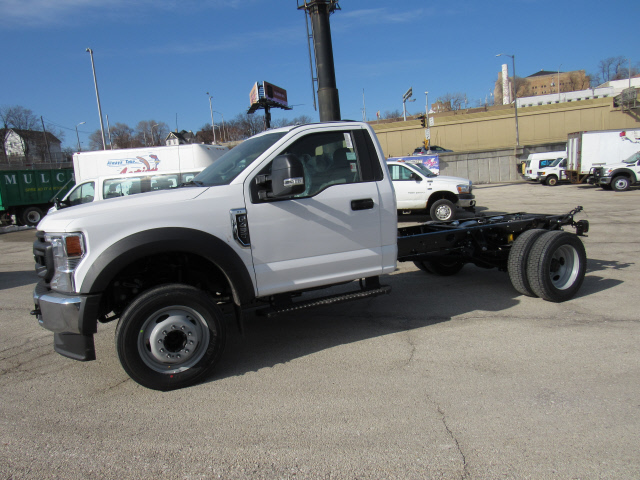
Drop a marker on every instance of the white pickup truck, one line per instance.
(617, 176)
(282, 215)
(417, 188)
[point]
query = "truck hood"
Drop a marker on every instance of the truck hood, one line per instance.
(59, 220)
(453, 180)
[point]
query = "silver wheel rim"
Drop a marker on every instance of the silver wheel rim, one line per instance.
(173, 339)
(564, 267)
(621, 183)
(443, 212)
(33, 217)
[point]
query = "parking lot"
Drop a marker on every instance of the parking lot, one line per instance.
(446, 377)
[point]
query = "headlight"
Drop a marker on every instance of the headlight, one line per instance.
(540, 174)
(608, 172)
(464, 188)
(68, 251)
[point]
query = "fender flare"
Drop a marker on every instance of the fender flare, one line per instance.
(170, 239)
(625, 171)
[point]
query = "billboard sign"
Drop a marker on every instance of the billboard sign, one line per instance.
(275, 94)
(254, 95)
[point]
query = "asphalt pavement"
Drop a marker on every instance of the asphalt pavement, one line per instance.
(447, 377)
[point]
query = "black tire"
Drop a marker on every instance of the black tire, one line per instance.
(31, 216)
(443, 210)
(557, 265)
(551, 181)
(443, 267)
(518, 258)
(170, 337)
(620, 183)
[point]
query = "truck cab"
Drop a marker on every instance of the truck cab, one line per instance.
(617, 176)
(418, 188)
(554, 173)
(286, 211)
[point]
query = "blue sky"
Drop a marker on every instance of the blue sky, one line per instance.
(155, 59)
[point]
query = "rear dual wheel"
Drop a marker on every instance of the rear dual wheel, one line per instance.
(549, 265)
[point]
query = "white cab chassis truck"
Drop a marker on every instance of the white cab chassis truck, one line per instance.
(417, 188)
(618, 176)
(266, 227)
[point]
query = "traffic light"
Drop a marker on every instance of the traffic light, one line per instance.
(423, 120)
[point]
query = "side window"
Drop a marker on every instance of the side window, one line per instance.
(328, 159)
(163, 182)
(187, 177)
(120, 187)
(83, 193)
(399, 173)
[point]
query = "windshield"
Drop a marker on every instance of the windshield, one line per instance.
(633, 158)
(424, 170)
(556, 162)
(232, 163)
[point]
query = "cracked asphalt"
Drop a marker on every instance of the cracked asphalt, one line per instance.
(445, 378)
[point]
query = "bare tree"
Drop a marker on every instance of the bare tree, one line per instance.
(95, 140)
(151, 132)
(455, 101)
(122, 136)
(389, 114)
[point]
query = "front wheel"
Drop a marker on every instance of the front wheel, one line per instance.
(551, 181)
(556, 266)
(443, 210)
(620, 183)
(170, 337)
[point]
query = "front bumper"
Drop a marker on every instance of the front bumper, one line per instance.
(466, 200)
(72, 318)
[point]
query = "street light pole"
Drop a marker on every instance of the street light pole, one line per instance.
(515, 93)
(78, 136)
(224, 133)
(212, 124)
(95, 82)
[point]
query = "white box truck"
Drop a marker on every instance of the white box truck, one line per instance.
(106, 174)
(588, 150)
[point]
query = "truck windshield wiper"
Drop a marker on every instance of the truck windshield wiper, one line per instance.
(192, 183)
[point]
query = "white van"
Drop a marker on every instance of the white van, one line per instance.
(105, 174)
(536, 161)
(113, 186)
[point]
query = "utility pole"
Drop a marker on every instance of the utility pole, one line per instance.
(328, 99)
(95, 82)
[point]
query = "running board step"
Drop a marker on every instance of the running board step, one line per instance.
(343, 297)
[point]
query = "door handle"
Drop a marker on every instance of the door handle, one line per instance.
(362, 204)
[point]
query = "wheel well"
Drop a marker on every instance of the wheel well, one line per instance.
(435, 196)
(621, 173)
(158, 269)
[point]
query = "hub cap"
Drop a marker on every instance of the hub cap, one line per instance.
(563, 270)
(173, 339)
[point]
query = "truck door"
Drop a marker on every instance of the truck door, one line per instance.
(329, 233)
(412, 191)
